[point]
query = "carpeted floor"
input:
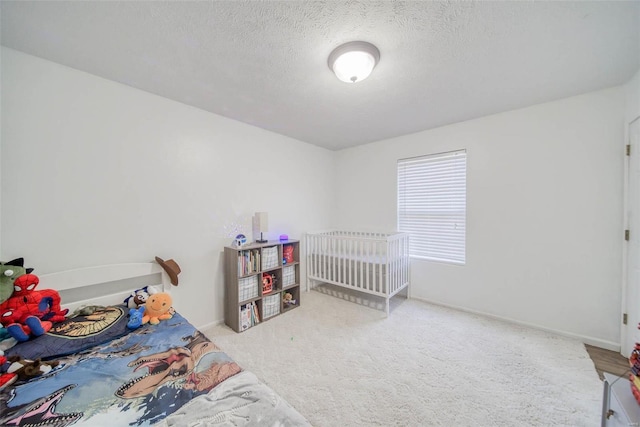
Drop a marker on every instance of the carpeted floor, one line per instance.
(342, 364)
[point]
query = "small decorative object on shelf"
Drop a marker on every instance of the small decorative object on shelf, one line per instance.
(287, 253)
(267, 282)
(287, 299)
(240, 240)
(262, 280)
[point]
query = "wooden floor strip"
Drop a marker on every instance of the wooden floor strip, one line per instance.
(608, 361)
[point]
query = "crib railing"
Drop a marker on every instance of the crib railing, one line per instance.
(373, 262)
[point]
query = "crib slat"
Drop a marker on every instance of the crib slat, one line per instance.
(379, 262)
(309, 251)
(361, 256)
(323, 267)
(389, 267)
(386, 268)
(347, 268)
(314, 252)
(325, 258)
(352, 266)
(318, 254)
(332, 264)
(339, 260)
(367, 255)
(374, 267)
(340, 276)
(309, 244)
(345, 262)
(330, 259)
(336, 264)
(398, 270)
(393, 265)
(340, 263)
(325, 264)
(316, 259)
(360, 261)
(342, 258)
(355, 262)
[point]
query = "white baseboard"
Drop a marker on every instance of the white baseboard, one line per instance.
(210, 324)
(608, 345)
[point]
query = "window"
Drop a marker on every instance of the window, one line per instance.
(432, 200)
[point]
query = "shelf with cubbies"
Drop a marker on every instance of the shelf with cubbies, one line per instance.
(262, 280)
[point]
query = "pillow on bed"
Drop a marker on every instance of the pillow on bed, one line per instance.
(76, 334)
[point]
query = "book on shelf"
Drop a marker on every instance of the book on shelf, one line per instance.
(248, 262)
(249, 315)
(245, 317)
(256, 317)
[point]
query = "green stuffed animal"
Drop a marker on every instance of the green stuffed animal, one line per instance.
(9, 272)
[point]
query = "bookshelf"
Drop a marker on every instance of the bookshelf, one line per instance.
(257, 277)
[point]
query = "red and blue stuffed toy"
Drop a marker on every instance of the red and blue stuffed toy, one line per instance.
(29, 312)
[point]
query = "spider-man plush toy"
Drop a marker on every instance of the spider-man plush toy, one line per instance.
(30, 312)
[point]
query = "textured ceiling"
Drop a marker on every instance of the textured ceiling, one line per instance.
(265, 63)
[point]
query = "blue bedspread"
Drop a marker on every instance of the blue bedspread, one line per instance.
(135, 380)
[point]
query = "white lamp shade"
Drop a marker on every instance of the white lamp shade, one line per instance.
(262, 221)
(353, 62)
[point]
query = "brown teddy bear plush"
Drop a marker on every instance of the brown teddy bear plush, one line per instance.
(26, 369)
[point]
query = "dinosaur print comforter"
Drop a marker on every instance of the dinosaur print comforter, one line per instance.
(168, 375)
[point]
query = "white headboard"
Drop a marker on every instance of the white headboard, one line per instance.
(105, 284)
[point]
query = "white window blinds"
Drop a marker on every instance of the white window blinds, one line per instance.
(432, 200)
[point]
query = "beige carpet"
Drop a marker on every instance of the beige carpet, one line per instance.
(343, 364)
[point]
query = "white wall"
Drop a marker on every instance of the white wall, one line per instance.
(544, 212)
(632, 104)
(95, 172)
(629, 333)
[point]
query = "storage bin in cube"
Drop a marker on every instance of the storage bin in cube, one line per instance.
(270, 306)
(247, 288)
(269, 257)
(288, 276)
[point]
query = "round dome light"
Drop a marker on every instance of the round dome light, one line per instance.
(353, 62)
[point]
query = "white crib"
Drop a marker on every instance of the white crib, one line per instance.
(372, 262)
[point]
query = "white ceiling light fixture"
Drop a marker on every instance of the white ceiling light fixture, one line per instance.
(353, 62)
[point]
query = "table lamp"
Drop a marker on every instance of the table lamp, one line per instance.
(261, 224)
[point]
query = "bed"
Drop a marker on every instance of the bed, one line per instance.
(375, 263)
(102, 373)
